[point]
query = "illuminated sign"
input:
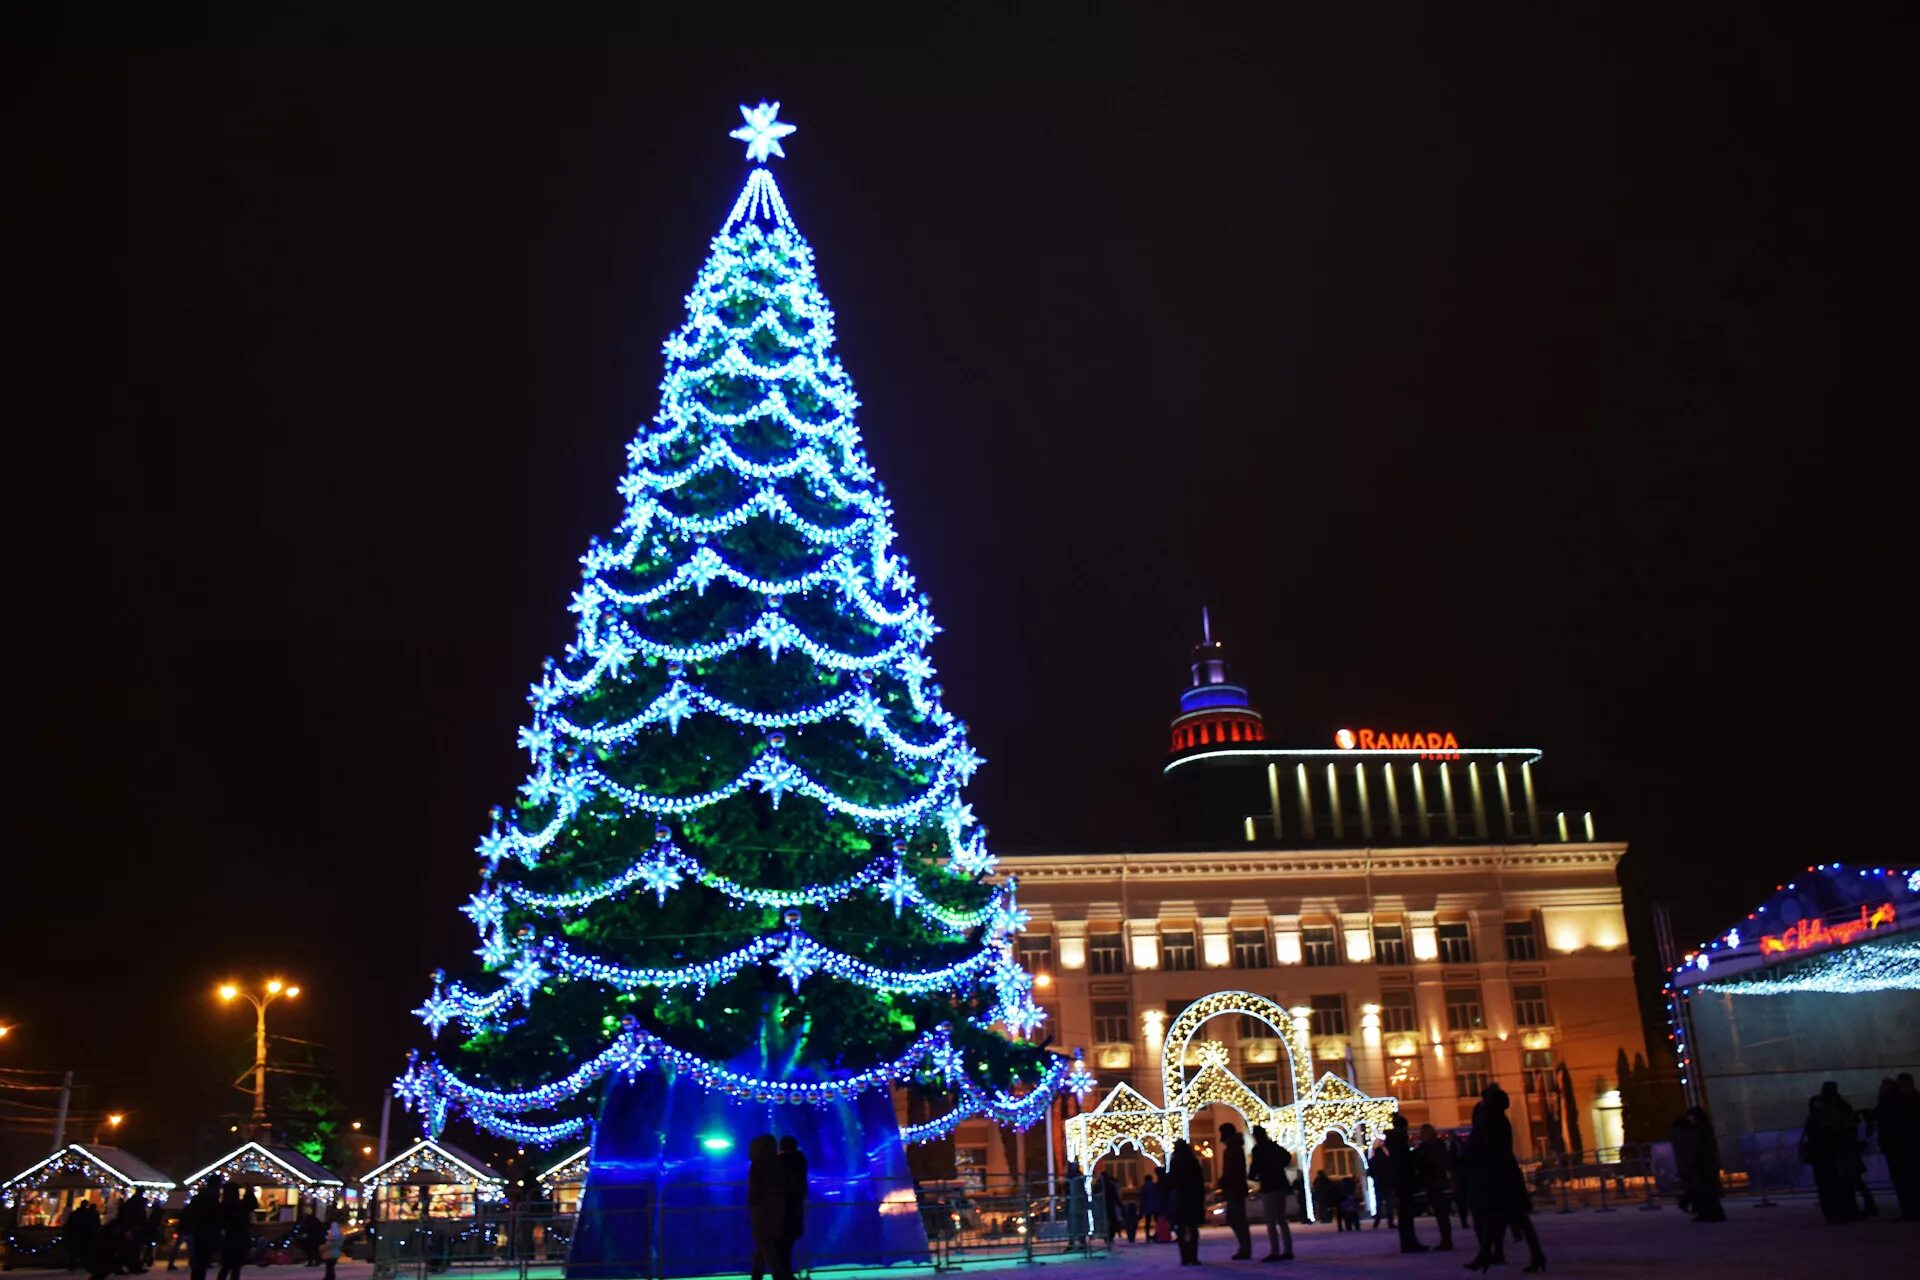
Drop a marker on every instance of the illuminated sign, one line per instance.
(1433, 746)
(1809, 934)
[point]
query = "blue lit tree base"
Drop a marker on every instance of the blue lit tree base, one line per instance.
(666, 1192)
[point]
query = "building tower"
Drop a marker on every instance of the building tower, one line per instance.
(1215, 711)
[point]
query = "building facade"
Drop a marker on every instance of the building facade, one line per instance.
(1439, 926)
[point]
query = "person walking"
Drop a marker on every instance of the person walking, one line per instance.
(236, 1231)
(1325, 1201)
(1111, 1205)
(1404, 1179)
(332, 1245)
(202, 1225)
(1151, 1208)
(1076, 1206)
(1846, 1122)
(793, 1173)
(1433, 1163)
(1499, 1188)
(1896, 1126)
(1702, 1173)
(1378, 1173)
(1234, 1190)
(1186, 1200)
(132, 1222)
(80, 1232)
(1268, 1167)
(767, 1208)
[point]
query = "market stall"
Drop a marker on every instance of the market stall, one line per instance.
(39, 1198)
(283, 1180)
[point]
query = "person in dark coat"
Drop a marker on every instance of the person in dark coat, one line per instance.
(1268, 1167)
(767, 1208)
(1702, 1173)
(1326, 1200)
(80, 1233)
(201, 1225)
(1896, 1126)
(793, 1172)
(1234, 1189)
(1405, 1180)
(107, 1250)
(1186, 1200)
(1379, 1173)
(1681, 1134)
(132, 1221)
(236, 1230)
(1111, 1205)
(1827, 1149)
(1499, 1189)
(1151, 1207)
(1433, 1163)
(1847, 1121)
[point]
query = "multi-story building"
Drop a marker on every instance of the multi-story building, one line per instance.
(1406, 893)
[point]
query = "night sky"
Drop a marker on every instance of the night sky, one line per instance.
(1526, 374)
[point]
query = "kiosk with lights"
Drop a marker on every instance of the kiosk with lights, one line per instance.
(1820, 982)
(39, 1197)
(433, 1181)
(284, 1181)
(1322, 1108)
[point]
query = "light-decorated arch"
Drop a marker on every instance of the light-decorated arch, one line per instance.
(1125, 1118)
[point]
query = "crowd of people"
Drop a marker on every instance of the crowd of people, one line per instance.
(1833, 1145)
(216, 1227)
(1478, 1177)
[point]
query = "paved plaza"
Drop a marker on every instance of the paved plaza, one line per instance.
(1788, 1239)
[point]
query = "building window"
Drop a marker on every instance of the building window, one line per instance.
(1249, 948)
(1319, 945)
(1252, 1028)
(1396, 1010)
(1106, 953)
(1403, 1079)
(1389, 944)
(1264, 1079)
(1530, 1006)
(1456, 943)
(1463, 1009)
(1541, 1087)
(1522, 942)
(1329, 1015)
(1036, 952)
(1177, 951)
(1472, 1073)
(1112, 1022)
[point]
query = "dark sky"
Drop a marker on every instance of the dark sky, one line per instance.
(1521, 370)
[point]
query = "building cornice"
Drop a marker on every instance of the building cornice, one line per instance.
(1312, 863)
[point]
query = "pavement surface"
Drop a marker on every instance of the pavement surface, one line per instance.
(1786, 1240)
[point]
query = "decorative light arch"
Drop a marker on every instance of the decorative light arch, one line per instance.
(1328, 1105)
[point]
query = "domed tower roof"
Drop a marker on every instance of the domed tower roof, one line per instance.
(1214, 711)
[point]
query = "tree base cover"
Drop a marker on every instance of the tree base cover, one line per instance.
(666, 1191)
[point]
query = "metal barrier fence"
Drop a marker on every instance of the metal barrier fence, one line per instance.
(1644, 1176)
(1006, 1220)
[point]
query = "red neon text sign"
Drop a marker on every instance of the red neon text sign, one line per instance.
(1436, 746)
(1809, 934)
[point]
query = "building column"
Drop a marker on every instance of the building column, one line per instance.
(1446, 802)
(1393, 799)
(1334, 816)
(1423, 826)
(1479, 800)
(1360, 795)
(1306, 800)
(1506, 798)
(1533, 802)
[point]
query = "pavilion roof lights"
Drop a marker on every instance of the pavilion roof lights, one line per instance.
(428, 1162)
(276, 1166)
(87, 1165)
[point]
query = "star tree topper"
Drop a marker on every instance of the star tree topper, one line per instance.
(762, 131)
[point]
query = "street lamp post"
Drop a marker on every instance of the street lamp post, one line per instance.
(270, 992)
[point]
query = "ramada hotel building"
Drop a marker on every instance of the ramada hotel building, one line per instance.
(1440, 925)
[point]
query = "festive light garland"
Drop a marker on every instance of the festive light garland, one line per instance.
(255, 1162)
(1887, 967)
(429, 1157)
(756, 426)
(75, 1161)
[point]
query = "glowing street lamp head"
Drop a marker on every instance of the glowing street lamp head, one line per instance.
(273, 986)
(114, 1119)
(293, 991)
(228, 991)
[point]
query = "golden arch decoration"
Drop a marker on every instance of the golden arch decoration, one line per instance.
(1329, 1104)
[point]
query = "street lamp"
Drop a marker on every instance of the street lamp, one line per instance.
(113, 1121)
(273, 990)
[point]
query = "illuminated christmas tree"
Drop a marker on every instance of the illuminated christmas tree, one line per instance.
(741, 862)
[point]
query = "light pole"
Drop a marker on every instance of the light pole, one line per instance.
(113, 1120)
(271, 991)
